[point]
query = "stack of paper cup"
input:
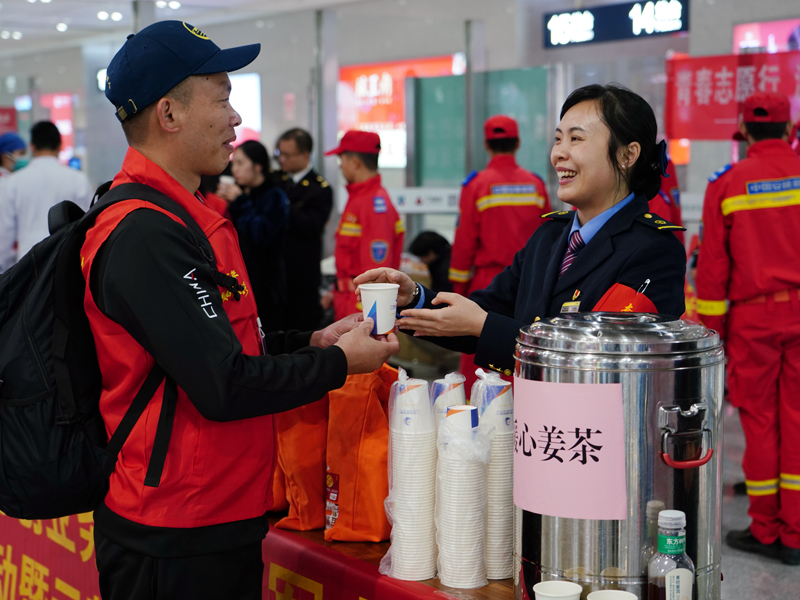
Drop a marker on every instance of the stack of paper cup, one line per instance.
(517, 543)
(411, 499)
(447, 392)
(460, 503)
(493, 398)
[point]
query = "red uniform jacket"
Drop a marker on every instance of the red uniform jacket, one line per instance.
(221, 454)
(500, 208)
(667, 203)
(370, 235)
(748, 244)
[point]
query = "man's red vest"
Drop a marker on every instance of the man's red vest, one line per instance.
(215, 472)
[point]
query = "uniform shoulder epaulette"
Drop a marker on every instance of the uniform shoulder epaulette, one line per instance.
(656, 222)
(322, 182)
(469, 178)
(719, 173)
(562, 215)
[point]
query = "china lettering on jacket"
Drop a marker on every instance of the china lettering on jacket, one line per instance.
(202, 295)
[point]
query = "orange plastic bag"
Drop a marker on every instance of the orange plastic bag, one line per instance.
(358, 441)
(302, 435)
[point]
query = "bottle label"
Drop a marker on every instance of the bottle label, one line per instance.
(679, 584)
(668, 544)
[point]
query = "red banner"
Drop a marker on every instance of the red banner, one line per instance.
(49, 559)
(704, 95)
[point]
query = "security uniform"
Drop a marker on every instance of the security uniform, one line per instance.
(370, 235)
(635, 249)
(310, 204)
(749, 255)
(151, 298)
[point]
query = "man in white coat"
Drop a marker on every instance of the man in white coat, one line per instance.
(27, 195)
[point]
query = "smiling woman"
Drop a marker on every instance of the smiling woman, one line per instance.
(609, 254)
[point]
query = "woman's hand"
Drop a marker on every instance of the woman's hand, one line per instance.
(229, 191)
(462, 316)
(384, 275)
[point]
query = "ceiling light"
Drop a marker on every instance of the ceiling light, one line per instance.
(17, 35)
(31, 1)
(174, 5)
(45, 1)
(61, 27)
(102, 15)
(5, 34)
(116, 16)
(161, 4)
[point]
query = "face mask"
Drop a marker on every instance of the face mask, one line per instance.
(20, 162)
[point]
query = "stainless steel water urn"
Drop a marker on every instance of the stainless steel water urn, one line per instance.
(672, 377)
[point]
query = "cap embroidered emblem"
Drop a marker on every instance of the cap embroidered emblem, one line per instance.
(195, 31)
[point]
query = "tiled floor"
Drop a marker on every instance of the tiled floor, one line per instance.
(746, 576)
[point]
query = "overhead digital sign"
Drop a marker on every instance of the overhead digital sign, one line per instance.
(616, 22)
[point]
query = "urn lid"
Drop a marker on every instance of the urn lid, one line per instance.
(618, 333)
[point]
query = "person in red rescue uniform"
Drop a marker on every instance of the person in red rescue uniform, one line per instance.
(749, 256)
(370, 233)
(499, 210)
(667, 203)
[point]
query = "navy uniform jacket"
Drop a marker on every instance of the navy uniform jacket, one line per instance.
(633, 246)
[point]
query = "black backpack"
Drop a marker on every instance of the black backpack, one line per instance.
(55, 458)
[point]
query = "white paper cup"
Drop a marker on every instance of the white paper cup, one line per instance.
(465, 417)
(446, 393)
(563, 590)
(379, 302)
(612, 595)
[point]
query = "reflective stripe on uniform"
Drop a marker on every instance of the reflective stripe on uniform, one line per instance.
(459, 276)
(757, 201)
(712, 308)
(495, 200)
(766, 487)
(790, 482)
(350, 229)
(399, 227)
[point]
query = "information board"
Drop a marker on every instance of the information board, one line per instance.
(615, 22)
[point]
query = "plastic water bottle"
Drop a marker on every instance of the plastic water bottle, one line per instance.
(670, 573)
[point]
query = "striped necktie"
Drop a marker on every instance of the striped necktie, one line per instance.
(576, 244)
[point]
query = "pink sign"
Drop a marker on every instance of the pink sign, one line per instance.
(569, 453)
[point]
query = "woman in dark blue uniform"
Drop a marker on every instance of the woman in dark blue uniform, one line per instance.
(608, 254)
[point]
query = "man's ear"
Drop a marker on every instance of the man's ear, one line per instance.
(170, 114)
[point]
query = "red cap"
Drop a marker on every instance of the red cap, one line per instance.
(354, 140)
(764, 107)
(500, 127)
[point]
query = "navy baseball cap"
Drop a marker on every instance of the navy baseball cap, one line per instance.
(159, 57)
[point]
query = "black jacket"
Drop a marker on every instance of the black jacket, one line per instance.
(310, 204)
(633, 246)
(261, 218)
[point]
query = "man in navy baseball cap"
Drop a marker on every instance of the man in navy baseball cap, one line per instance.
(161, 56)
(184, 515)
